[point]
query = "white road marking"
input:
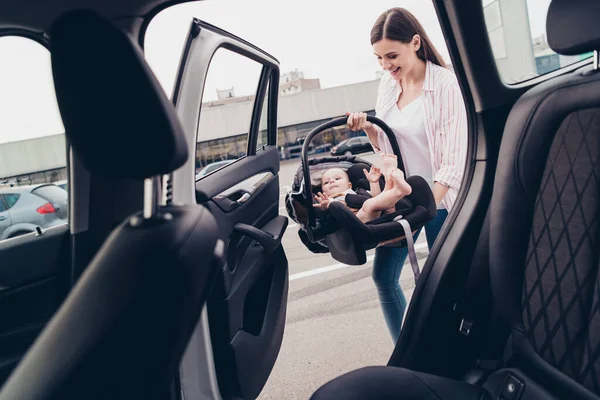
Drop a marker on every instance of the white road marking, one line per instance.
(333, 267)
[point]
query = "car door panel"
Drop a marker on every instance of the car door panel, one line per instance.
(235, 196)
(214, 184)
(248, 306)
(33, 283)
(245, 314)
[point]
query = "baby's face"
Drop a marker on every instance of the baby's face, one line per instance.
(335, 181)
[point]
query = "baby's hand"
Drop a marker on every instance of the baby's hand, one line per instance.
(373, 175)
(323, 201)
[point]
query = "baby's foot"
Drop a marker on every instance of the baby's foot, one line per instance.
(400, 183)
(390, 163)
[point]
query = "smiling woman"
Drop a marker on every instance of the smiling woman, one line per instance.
(419, 98)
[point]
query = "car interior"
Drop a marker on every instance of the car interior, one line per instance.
(164, 287)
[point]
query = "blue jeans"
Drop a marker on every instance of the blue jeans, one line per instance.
(387, 267)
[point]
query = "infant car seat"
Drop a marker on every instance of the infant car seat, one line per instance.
(338, 231)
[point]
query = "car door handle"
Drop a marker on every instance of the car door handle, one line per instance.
(244, 198)
(232, 201)
(2, 217)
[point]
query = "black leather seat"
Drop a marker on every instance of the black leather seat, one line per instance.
(121, 332)
(544, 242)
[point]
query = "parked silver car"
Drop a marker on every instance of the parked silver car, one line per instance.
(212, 167)
(23, 208)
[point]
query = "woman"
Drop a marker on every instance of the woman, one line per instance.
(420, 100)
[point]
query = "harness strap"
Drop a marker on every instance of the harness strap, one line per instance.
(412, 255)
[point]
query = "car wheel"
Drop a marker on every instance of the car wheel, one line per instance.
(347, 153)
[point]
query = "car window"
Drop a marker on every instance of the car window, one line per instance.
(216, 166)
(11, 199)
(229, 89)
(2, 206)
(32, 143)
(212, 167)
(517, 34)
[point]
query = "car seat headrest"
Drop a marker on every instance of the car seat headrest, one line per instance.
(572, 26)
(358, 178)
(115, 113)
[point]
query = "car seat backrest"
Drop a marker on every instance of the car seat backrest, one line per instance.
(122, 330)
(545, 220)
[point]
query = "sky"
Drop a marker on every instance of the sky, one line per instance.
(325, 39)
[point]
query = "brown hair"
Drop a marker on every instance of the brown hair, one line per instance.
(399, 24)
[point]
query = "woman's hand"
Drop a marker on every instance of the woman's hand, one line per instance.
(358, 121)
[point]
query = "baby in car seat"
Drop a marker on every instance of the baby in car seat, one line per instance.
(335, 185)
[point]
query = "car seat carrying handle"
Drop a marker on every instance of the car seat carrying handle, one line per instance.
(328, 125)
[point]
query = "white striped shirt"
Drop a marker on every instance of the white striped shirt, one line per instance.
(445, 125)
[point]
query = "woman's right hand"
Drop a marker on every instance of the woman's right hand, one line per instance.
(358, 121)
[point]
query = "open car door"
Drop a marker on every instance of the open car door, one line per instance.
(239, 335)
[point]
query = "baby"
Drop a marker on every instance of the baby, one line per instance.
(335, 185)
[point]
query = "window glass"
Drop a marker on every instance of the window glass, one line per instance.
(517, 34)
(32, 143)
(227, 103)
(11, 199)
(2, 206)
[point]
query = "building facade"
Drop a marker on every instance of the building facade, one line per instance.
(223, 130)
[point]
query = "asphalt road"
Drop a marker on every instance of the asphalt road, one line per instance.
(334, 322)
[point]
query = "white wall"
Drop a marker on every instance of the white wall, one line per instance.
(32, 155)
(44, 153)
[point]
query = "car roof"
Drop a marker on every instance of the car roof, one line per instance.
(14, 189)
(38, 15)
(24, 188)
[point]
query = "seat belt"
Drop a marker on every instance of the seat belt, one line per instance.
(476, 299)
(475, 307)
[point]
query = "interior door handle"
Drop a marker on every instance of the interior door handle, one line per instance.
(244, 198)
